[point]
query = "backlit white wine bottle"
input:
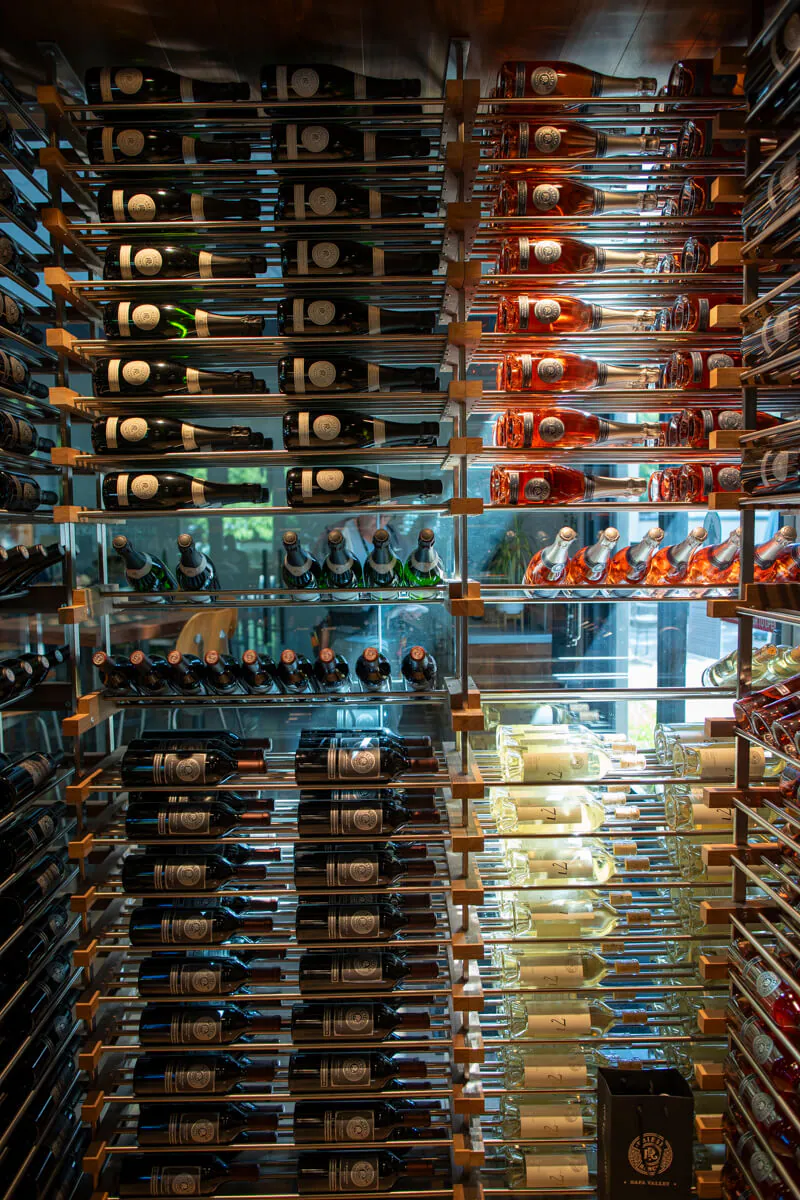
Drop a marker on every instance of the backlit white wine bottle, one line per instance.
(564, 763)
(528, 1120)
(572, 969)
(562, 1069)
(558, 809)
(546, 861)
(563, 915)
(575, 1019)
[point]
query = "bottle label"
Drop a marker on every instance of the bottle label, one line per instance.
(546, 312)
(360, 923)
(136, 372)
(358, 871)
(189, 442)
(329, 480)
(320, 312)
(141, 207)
(186, 1130)
(172, 770)
(565, 814)
(131, 429)
(345, 1071)
(128, 80)
(197, 209)
(354, 764)
(729, 479)
(322, 201)
(37, 769)
(547, 251)
(187, 929)
(147, 261)
(730, 420)
(47, 880)
(322, 373)
(551, 1121)
(547, 139)
(355, 1125)
(358, 968)
(524, 252)
(41, 830)
(550, 370)
(354, 1175)
(11, 309)
(195, 1078)
(130, 142)
(557, 1072)
(325, 255)
(304, 82)
(146, 316)
(766, 983)
(356, 1020)
(348, 821)
(176, 877)
(186, 1029)
(378, 265)
(314, 138)
(551, 429)
(543, 81)
(184, 821)
(577, 867)
(566, 973)
(559, 1024)
(715, 361)
(556, 1172)
(191, 981)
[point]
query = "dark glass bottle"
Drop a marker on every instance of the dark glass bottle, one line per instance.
(359, 922)
(356, 868)
(323, 1173)
(419, 669)
(21, 569)
(159, 1125)
(340, 315)
(355, 815)
(162, 435)
(382, 569)
(300, 571)
(208, 926)
(150, 673)
(327, 487)
(367, 1071)
(40, 881)
(294, 673)
(373, 669)
(18, 263)
(215, 975)
(150, 85)
(147, 491)
(366, 1021)
(323, 82)
(366, 760)
(139, 260)
(142, 571)
(198, 1074)
(222, 674)
(155, 821)
(360, 970)
(139, 377)
(342, 257)
(42, 664)
(23, 778)
(127, 319)
(331, 671)
(201, 1025)
(18, 436)
(145, 873)
(16, 677)
(186, 673)
(423, 568)
(148, 766)
(32, 946)
(297, 376)
(151, 203)
(21, 493)
(17, 204)
(320, 736)
(340, 570)
(312, 199)
(346, 430)
(117, 674)
(308, 142)
(28, 836)
(126, 144)
(140, 1176)
(348, 1122)
(258, 673)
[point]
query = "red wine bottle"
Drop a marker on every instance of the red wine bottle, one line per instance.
(126, 144)
(21, 493)
(22, 569)
(18, 436)
(346, 430)
(329, 487)
(201, 1025)
(367, 1021)
(360, 970)
(357, 817)
(145, 873)
(18, 263)
(348, 1122)
(322, 1174)
(24, 777)
(214, 975)
(198, 1074)
(208, 926)
(368, 759)
(294, 673)
(258, 673)
(373, 669)
(304, 141)
(371, 922)
(149, 673)
(222, 674)
(356, 868)
(419, 669)
(140, 1176)
(160, 1125)
(344, 257)
(150, 821)
(144, 766)
(29, 835)
(140, 260)
(148, 491)
(336, 316)
(297, 376)
(151, 203)
(331, 671)
(138, 377)
(37, 883)
(310, 199)
(367, 1071)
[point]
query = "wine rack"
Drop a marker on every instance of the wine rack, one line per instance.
(41, 1141)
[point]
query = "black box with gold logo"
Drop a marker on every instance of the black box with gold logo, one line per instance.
(645, 1131)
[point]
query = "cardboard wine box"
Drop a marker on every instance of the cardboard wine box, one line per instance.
(645, 1131)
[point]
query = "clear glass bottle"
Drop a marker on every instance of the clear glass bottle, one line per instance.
(543, 861)
(560, 914)
(558, 810)
(716, 761)
(562, 764)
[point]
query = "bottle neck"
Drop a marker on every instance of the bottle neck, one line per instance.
(683, 551)
(599, 553)
(640, 554)
(767, 554)
(624, 260)
(619, 85)
(556, 553)
(610, 145)
(622, 432)
(609, 318)
(608, 487)
(726, 553)
(629, 377)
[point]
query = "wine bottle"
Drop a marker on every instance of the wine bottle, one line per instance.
(148, 767)
(630, 565)
(34, 945)
(194, 572)
(296, 376)
(21, 493)
(143, 572)
(23, 564)
(423, 567)
(320, 737)
(139, 260)
(345, 430)
(18, 436)
(16, 677)
(152, 85)
(692, 314)
(210, 975)
(354, 815)
(222, 674)
(691, 369)
(198, 1126)
(357, 868)
(126, 319)
(566, 314)
(157, 435)
(30, 835)
(566, 256)
(150, 674)
(716, 564)
(40, 881)
(590, 564)
(698, 480)
(367, 1071)
(356, 970)
(329, 487)
(340, 569)
(123, 144)
(207, 926)
(382, 569)
(557, 78)
(558, 485)
(198, 1074)
(201, 1025)
(548, 566)
(670, 564)
(17, 263)
(116, 673)
(371, 922)
(300, 571)
(258, 673)
(344, 257)
(174, 490)
(549, 427)
(331, 671)
(310, 198)
(294, 673)
(136, 377)
(368, 759)
(295, 142)
(24, 777)
(370, 1021)
(533, 197)
(353, 1121)
(373, 669)
(775, 558)
(148, 202)
(567, 373)
(570, 139)
(419, 669)
(337, 316)
(152, 821)
(331, 83)
(17, 204)
(15, 374)
(163, 739)
(143, 873)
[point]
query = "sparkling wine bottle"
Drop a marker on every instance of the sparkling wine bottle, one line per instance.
(138, 85)
(698, 480)
(18, 436)
(258, 673)
(567, 256)
(345, 430)
(692, 314)
(21, 493)
(557, 485)
(295, 142)
(340, 569)
(548, 567)
(148, 435)
(382, 568)
(551, 427)
(140, 260)
(296, 376)
(353, 258)
(329, 487)
(323, 82)
(300, 571)
(556, 78)
(136, 377)
(127, 319)
(143, 572)
(123, 144)
(208, 926)
(570, 139)
(357, 970)
(630, 565)
(148, 202)
(670, 564)
(689, 370)
(567, 373)
(194, 572)
(340, 315)
(716, 564)
(591, 563)
(423, 567)
(566, 314)
(315, 198)
(773, 558)
(173, 490)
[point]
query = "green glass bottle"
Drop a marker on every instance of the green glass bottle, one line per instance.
(144, 572)
(423, 567)
(383, 569)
